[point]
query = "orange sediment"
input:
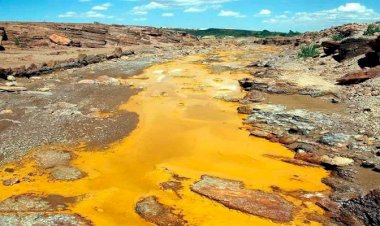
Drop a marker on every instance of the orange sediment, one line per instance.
(184, 129)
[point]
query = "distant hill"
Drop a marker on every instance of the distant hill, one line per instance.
(237, 33)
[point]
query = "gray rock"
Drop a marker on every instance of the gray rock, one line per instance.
(50, 159)
(334, 139)
(67, 173)
(43, 219)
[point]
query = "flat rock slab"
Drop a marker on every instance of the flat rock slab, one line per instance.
(35, 203)
(51, 158)
(41, 219)
(66, 173)
(157, 213)
(60, 40)
(12, 88)
(232, 194)
(359, 76)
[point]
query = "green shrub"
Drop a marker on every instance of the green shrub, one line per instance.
(338, 37)
(372, 29)
(17, 41)
(307, 51)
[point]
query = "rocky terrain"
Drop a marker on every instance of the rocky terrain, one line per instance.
(345, 139)
(324, 108)
(38, 48)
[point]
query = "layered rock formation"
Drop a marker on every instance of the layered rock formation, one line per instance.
(89, 35)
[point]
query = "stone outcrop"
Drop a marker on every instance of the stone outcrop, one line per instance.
(347, 49)
(89, 35)
(232, 194)
(80, 61)
(346, 30)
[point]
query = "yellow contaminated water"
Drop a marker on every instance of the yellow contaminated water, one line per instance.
(184, 129)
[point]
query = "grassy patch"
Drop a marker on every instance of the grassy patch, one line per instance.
(338, 37)
(308, 51)
(372, 29)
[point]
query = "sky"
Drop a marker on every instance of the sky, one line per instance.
(274, 15)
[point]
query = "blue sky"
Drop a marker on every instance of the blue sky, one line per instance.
(279, 15)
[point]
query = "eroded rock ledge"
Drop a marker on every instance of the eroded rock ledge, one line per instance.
(234, 195)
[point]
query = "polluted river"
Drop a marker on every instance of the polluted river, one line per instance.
(190, 161)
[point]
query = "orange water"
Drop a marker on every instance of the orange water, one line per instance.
(185, 130)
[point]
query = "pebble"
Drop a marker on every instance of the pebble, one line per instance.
(6, 111)
(11, 78)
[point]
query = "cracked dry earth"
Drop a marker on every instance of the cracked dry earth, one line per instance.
(190, 161)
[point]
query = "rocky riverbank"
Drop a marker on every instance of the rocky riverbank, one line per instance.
(325, 109)
(344, 139)
(54, 103)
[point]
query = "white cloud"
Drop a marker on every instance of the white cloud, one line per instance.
(88, 14)
(143, 9)
(68, 14)
(140, 19)
(227, 13)
(93, 14)
(265, 12)
(167, 14)
(140, 13)
(350, 12)
(352, 7)
(195, 10)
(101, 7)
(189, 6)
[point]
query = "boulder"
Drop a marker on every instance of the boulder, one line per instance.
(4, 72)
(371, 59)
(60, 40)
(118, 52)
(352, 47)
(359, 76)
(375, 45)
(3, 35)
(330, 47)
(234, 195)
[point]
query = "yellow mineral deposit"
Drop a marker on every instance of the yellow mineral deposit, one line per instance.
(185, 129)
